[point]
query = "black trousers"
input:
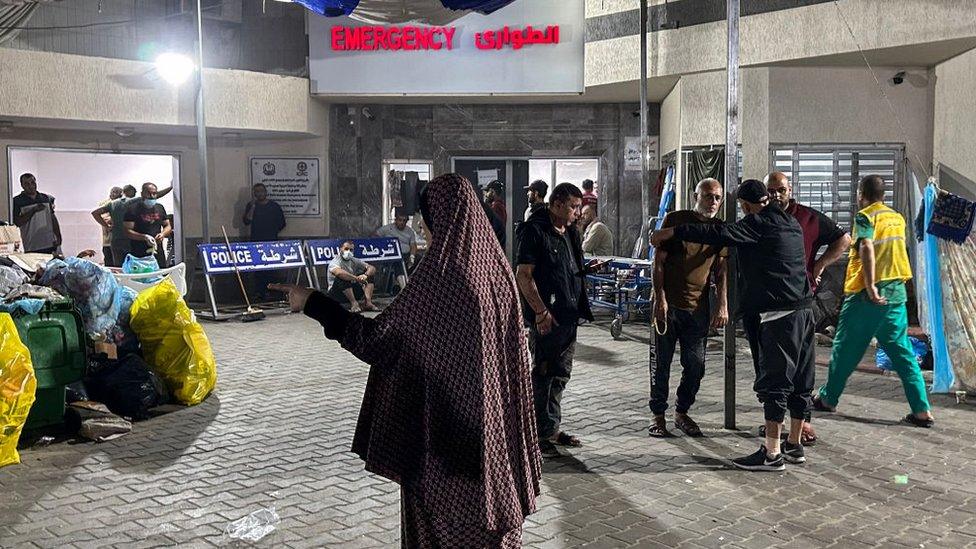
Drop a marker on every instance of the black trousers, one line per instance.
(786, 357)
(750, 323)
(690, 328)
(552, 357)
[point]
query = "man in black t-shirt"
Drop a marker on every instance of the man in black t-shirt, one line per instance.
(147, 225)
(550, 277)
(266, 220)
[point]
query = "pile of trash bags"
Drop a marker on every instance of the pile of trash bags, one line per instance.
(17, 387)
(144, 350)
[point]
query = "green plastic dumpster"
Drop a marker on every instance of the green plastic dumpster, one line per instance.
(56, 339)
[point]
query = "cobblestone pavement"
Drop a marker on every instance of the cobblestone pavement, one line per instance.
(278, 429)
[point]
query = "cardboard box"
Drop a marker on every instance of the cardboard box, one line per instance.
(109, 349)
(10, 241)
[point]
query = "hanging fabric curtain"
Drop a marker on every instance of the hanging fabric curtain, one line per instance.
(705, 164)
(433, 12)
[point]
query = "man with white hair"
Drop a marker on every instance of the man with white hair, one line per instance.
(683, 273)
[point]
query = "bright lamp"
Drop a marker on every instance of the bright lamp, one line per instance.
(174, 68)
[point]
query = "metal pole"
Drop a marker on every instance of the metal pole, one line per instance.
(645, 166)
(202, 131)
(645, 190)
(731, 185)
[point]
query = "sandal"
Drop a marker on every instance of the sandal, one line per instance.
(912, 419)
(688, 426)
(565, 439)
(808, 437)
(658, 428)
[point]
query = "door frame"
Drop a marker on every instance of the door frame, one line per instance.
(179, 244)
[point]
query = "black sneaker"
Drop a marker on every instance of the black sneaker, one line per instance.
(792, 453)
(760, 461)
(548, 449)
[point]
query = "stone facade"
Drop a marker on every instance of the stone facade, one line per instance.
(359, 145)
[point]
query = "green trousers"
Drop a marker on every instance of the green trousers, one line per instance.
(861, 320)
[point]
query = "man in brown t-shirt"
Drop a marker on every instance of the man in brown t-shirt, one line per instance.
(682, 275)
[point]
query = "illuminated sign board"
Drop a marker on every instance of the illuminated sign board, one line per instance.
(529, 47)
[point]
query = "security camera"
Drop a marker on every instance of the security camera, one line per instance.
(898, 78)
(368, 114)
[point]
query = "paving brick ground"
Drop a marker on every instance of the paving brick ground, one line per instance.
(277, 432)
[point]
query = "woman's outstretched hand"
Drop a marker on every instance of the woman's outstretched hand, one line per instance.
(297, 295)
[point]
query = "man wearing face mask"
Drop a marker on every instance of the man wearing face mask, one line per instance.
(351, 279)
(147, 225)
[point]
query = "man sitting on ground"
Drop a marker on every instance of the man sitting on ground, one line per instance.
(351, 278)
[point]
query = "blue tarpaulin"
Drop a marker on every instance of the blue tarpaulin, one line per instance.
(943, 378)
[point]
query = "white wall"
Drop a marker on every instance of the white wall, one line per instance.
(844, 105)
(58, 86)
(811, 105)
(671, 133)
(954, 136)
(800, 33)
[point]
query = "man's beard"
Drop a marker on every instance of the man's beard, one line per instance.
(704, 213)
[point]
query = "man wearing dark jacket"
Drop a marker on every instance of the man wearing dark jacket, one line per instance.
(775, 286)
(550, 277)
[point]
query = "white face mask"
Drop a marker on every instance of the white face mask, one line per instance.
(346, 254)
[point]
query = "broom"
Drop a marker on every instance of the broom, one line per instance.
(251, 314)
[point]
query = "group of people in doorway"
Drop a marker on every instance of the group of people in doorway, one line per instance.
(129, 224)
(139, 226)
(469, 365)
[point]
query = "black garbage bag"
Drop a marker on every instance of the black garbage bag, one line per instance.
(127, 386)
(75, 392)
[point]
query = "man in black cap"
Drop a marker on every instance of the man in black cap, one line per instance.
(775, 286)
(495, 199)
(537, 197)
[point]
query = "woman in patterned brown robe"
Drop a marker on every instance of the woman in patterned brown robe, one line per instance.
(447, 412)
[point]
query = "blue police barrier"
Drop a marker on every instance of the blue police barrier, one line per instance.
(250, 257)
(370, 250)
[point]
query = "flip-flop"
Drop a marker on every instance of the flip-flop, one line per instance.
(912, 419)
(689, 427)
(565, 439)
(659, 429)
(808, 437)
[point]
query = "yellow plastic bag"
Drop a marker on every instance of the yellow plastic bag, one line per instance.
(173, 343)
(17, 388)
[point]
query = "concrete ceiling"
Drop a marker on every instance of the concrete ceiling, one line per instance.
(916, 55)
(622, 92)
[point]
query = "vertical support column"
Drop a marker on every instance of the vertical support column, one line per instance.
(202, 132)
(645, 187)
(731, 185)
(644, 115)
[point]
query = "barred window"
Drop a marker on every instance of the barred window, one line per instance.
(826, 177)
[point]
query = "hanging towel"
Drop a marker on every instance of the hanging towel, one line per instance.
(952, 218)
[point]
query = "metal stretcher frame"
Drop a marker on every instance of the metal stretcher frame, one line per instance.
(602, 284)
